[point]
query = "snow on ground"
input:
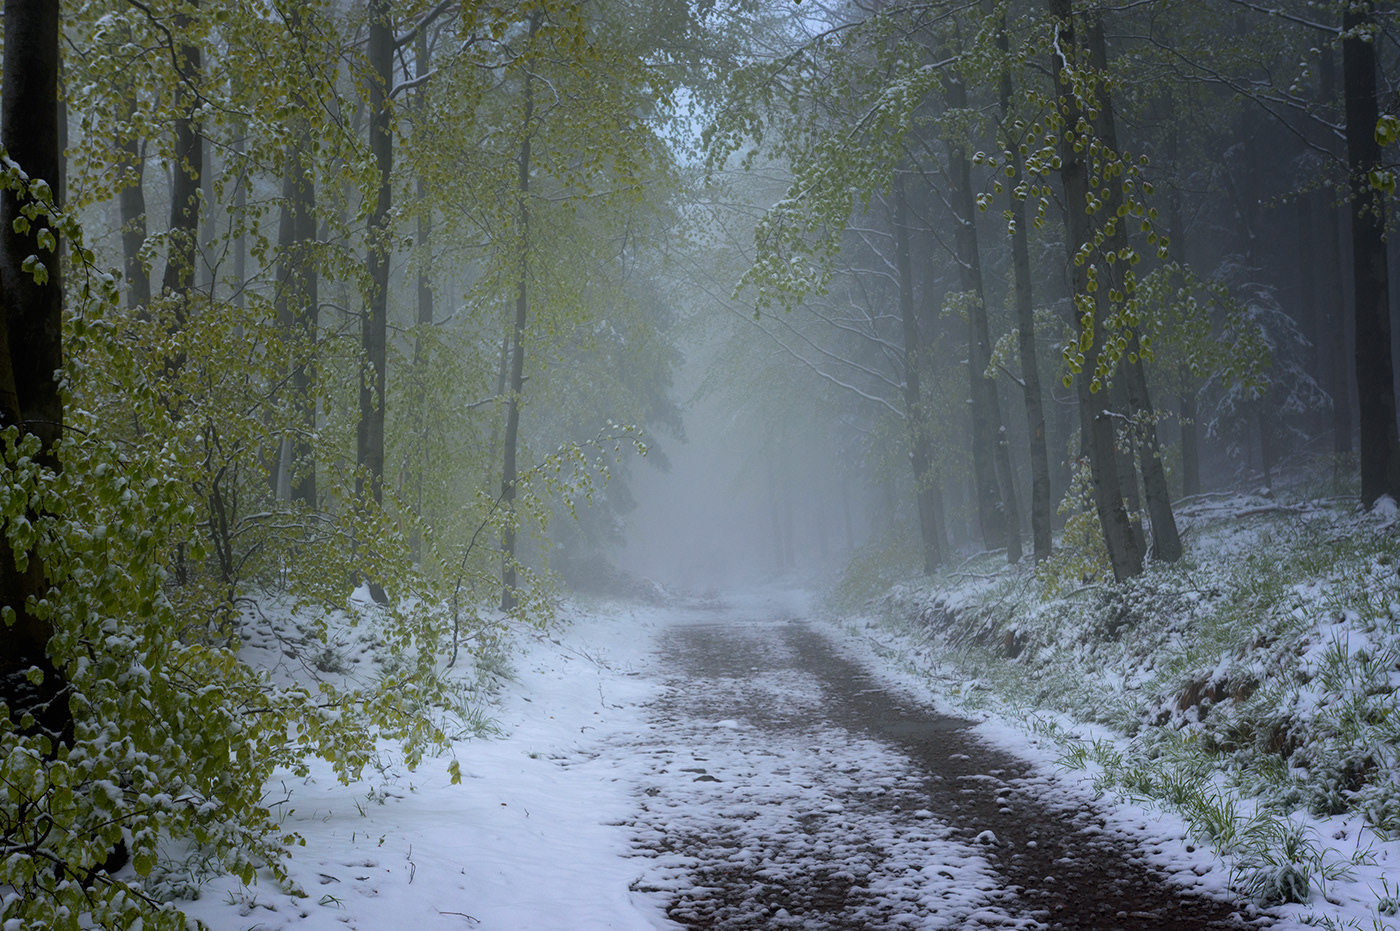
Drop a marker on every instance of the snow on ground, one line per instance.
(549, 826)
(774, 809)
(529, 841)
(1357, 871)
(1161, 836)
(544, 831)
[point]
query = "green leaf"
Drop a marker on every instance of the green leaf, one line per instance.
(143, 861)
(1388, 129)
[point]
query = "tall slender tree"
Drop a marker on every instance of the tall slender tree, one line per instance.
(424, 319)
(187, 172)
(925, 481)
(1166, 542)
(1375, 384)
(997, 507)
(31, 349)
(509, 476)
(1097, 421)
(374, 323)
(1025, 308)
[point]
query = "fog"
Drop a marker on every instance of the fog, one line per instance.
(751, 495)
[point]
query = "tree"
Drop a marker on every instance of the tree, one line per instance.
(369, 436)
(188, 172)
(423, 320)
(32, 686)
(1166, 542)
(1014, 137)
(997, 507)
(516, 385)
(1375, 384)
(925, 488)
(1097, 423)
(297, 301)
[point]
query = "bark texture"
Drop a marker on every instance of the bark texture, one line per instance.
(1375, 388)
(509, 597)
(925, 486)
(132, 204)
(31, 346)
(297, 300)
(374, 324)
(1096, 421)
(186, 174)
(1025, 324)
(997, 508)
(1166, 541)
(424, 319)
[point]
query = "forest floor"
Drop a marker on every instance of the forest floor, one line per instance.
(734, 766)
(828, 799)
(1251, 689)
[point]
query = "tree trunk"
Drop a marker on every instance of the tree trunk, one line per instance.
(132, 202)
(1025, 322)
(1125, 444)
(1096, 424)
(1190, 438)
(1166, 541)
(424, 319)
(240, 207)
(209, 219)
(297, 299)
(1330, 252)
(1186, 380)
(374, 328)
(509, 598)
(1375, 387)
(308, 322)
(31, 347)
(925, 483)
(996, 491)
(187, 173)
(369, 433)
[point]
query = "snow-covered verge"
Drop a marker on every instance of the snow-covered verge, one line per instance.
(532, 837)
(1250, 689)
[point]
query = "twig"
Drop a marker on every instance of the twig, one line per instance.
(461, 915)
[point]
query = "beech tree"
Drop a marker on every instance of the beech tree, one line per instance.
(1013, 138)
(32, 686)
(1375, 385)
(143, 518)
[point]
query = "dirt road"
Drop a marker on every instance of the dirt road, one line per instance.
(788, 789)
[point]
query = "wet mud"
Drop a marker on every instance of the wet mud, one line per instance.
(1039, 865)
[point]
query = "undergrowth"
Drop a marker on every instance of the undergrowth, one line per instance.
(1252, 685)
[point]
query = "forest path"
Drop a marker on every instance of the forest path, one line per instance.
(788, 789)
